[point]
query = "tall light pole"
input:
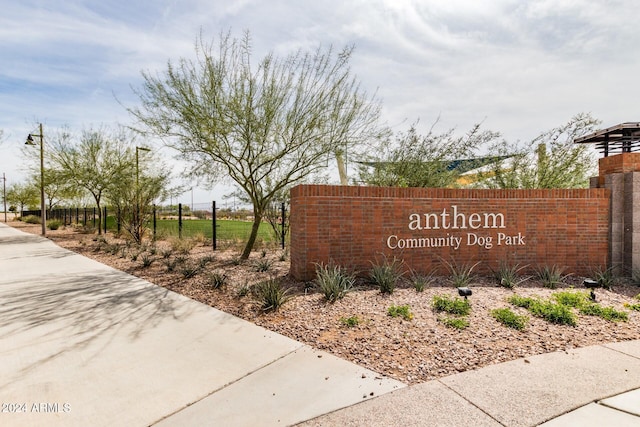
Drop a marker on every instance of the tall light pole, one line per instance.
(4, 195)
(43, 212)
(138, 149)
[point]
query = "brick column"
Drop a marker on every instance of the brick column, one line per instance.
(621, 175)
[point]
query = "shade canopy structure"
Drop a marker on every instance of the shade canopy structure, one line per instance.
(622, 138)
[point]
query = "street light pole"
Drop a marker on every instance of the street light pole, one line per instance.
(4, 195)
(43, 212)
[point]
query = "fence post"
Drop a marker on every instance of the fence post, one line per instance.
(213, 224)
(118, 219)
(105, 219)
(94, 217)
(283, 231)
(84, 217)
(180, 220)
(154, 222)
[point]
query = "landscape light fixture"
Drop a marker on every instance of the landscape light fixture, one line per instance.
(464, 292)
(43, 212)
(591, 284)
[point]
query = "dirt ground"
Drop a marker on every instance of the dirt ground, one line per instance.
(358, 327)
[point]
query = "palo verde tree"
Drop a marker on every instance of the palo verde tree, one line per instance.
(414, 160)
(135, 194)
(265, 126)
(551, 160)
(94, 161)
(23, 194)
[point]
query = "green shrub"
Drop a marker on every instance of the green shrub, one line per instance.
(548, 310)
(554, 313)
(571, 299)
(524, 302)
(461, 274)
(217, 280)
(508, 276)
(386, 275)
(635, 307)
(32, 219)
(270, 295)
(421, 281)
(334, 281)
(509, 318)
(53, 224)
(403, 311)
(350, 322)
(607, 313)
(455, 322)
(551, 276)
(456, 305)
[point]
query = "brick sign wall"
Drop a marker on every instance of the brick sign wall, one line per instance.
(354, 226)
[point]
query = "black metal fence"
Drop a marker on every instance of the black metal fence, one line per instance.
(175, 221)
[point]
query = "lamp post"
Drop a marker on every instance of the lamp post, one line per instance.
(138, 149)
(43, 212)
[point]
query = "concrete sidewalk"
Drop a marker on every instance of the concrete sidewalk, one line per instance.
(84, 344)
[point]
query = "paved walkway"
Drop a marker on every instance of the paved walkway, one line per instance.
(84, 344)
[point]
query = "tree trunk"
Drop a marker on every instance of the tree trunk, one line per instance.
(342, 169)
(257, 219)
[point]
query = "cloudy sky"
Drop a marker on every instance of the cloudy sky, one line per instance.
(518, 66)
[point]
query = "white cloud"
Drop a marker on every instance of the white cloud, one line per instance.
(522, 67)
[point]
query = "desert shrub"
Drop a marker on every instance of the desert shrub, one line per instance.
(456, 305)
(263, 265)
(550, 311)
(243, 291)
(147, 260)
(571, 299)
(205, 260)
(509, 318)
(551, 275)
(350, 322)
(461, 275)
(386, 274)
(604, 277)
(403, 311)
(53, 224)
(182, 246)
(607, 313)
(216, 280)
(166, 253)
(333, 281)
(270, 295)
(634, 307)
(32, 219)
(421, 281)
(508, 275)
(455, 322)
(189, 270)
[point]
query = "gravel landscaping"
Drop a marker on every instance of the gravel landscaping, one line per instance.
(415, 346)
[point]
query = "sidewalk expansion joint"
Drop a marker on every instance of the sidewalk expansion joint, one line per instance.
(473, 404)
(301, 346)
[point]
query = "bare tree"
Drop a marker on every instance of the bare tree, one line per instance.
(265, 127)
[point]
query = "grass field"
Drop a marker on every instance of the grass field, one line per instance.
(226, 230)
